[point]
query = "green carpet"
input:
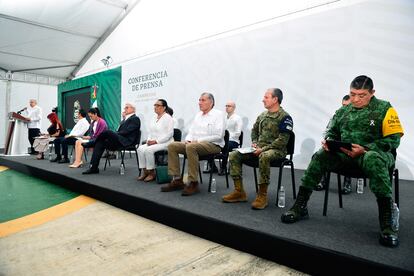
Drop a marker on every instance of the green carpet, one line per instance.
(22, 195)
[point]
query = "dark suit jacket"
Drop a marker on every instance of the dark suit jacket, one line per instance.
(129, 130)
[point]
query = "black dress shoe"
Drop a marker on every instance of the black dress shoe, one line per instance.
(91, 171)
(56, 159)
(64, 160)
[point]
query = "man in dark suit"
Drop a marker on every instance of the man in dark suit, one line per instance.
(127, 135)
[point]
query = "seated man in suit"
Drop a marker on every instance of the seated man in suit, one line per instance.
(78, 130)
(206, 136)
(126, 136)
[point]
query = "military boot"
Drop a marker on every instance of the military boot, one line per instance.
(299, 210)
(261, 198)
(238, 195)
(388, 235)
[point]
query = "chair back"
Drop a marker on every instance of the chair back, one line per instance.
(291, 145)
(177, 135)
(241, 139)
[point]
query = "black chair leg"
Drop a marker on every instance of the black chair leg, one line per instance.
(227, 179)
(292, 174)
(182, 171)
(199, 174)
(397, 187)
(106, 159)
(122, 158)
(255, 180)
(211, 177)
(339, 190)
(325, 202)
(85, 154)
(136, 155)
(279, 182)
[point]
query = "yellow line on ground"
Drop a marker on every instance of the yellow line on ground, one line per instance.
(60, 210)
(3, 168)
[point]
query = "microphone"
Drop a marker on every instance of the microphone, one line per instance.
(20, 111)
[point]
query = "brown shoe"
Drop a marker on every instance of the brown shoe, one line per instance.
(261, 199)
(174, 185)
(143, 176)
(191, 189)
(151, 176)
(235, 196)
(238, 195)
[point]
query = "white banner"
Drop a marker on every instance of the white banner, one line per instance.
(312, 59)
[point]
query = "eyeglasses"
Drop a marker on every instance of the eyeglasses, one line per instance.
(227, 105)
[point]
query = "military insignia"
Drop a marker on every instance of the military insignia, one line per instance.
(391, 123)
(76, 108)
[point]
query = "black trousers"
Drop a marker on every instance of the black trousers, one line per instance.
(232, 145)
(33, 132)
(106, 140)
(64, 142)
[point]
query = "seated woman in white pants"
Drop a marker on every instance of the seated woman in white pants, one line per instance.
(161, 130)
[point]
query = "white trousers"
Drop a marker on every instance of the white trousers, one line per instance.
(146, 155)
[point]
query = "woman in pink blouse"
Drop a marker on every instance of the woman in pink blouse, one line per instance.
(97, 126)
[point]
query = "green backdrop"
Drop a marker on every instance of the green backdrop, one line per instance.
(108, 94)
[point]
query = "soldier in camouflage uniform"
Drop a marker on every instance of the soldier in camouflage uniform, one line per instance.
(373, 128)
(270, 135)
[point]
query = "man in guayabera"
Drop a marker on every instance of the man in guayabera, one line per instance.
(270, 136)
(373, 128)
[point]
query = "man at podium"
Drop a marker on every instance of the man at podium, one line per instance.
(33, 114)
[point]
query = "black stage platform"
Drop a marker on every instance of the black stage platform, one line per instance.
(345, 241)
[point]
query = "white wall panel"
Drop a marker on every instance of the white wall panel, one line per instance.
(312, 59)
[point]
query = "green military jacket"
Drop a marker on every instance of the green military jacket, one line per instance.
(272, 130)
(364, 126)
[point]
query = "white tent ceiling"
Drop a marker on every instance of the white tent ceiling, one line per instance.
(55, 37)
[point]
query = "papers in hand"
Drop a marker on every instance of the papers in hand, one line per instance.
(246, 150)
(83, 140)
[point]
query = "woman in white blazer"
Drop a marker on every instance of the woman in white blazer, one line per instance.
(161, 130)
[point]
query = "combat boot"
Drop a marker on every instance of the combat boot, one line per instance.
(299, 210)
(238, 195)
(261, 198)
(388, 235)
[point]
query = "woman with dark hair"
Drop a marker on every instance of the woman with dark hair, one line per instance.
(161, 130)
(98, 125)
(55, 130)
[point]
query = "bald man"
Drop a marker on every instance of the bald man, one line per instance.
(234, 124)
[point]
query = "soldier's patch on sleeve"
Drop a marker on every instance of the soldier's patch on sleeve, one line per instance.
(286, 125)
(391, 123)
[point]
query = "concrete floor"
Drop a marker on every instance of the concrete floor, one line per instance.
(100, 239)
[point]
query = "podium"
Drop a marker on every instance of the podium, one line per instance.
(14, 145)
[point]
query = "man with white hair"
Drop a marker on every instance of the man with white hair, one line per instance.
(206, 136)
(34, 115)
(127, 134)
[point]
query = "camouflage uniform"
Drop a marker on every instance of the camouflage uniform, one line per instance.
(271, 133)
(364, 127)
